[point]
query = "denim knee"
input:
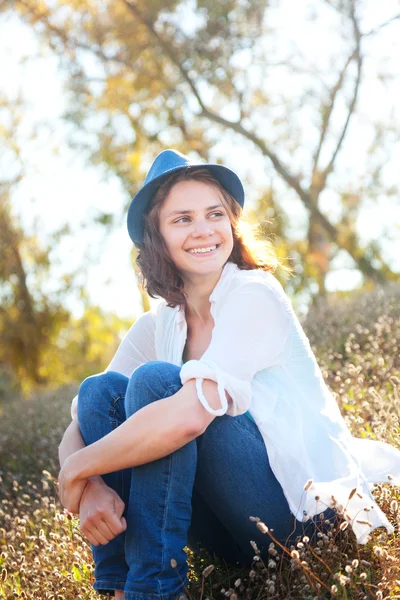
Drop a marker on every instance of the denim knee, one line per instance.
(151, 381)
(99, 392)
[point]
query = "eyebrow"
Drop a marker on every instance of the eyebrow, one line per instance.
(189, 212)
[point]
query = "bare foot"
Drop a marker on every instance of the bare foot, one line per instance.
(119, 595)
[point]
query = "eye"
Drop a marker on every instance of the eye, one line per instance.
(180, 219)
(217, 212)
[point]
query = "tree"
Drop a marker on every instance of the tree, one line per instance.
(82, 347)
(145, 75)
(42, 343)
(30, 317)
(27, 319)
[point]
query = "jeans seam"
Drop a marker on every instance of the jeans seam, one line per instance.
(106, 583)
(172, 388)
(114, 425)
(175, 386)
(164, 523)
(112, 410)
(258, 439)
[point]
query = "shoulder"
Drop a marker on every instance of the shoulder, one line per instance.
(163, 315)
(143, 325)
(256, 281)
(149, 319)
(255, 291)
(157, 309)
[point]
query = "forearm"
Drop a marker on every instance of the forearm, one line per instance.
(152, 433)
(71, 442)
(70, 445)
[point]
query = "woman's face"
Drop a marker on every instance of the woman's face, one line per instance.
(196, 229)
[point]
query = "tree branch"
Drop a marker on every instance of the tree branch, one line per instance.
(235, 126)
(342, 241)
(279, 167)
(293, 182)
(357, 54)
(382, 25)
(166, 47)
(70, 42)
(329, 110)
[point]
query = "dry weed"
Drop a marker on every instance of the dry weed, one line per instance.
(43, 555)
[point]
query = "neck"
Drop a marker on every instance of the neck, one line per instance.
(198, 298)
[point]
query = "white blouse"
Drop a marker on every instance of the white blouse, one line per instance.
(261, 356)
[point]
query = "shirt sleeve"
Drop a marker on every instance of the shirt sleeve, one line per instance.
(136, 348)
(250, 334)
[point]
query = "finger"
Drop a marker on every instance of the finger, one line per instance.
(91, 539)
(108, 525)
(89, 535)
(119, 507)
(114, 523)
(95, 529)
(95, 536)
(104, 529)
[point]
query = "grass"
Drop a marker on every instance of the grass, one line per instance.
(43, 554)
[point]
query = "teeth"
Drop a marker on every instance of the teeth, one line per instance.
(201, 250)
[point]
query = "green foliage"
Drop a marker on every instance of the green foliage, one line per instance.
(28, 316)
(82, 347)
(42, 344)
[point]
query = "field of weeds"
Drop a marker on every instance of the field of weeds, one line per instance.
(43, 555)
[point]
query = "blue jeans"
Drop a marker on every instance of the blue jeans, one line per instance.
(202, 495)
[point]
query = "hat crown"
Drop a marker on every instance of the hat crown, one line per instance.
(164, 162)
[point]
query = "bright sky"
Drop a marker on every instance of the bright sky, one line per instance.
(60, 187)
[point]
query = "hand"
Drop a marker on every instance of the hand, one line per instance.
(101, 512)
(70, 487)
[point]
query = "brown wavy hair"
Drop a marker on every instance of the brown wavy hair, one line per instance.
(158, 273)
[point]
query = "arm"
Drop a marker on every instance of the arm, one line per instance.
(251, 333)
(136, 348)
(153, 432)
(71, 442)
(100, 508)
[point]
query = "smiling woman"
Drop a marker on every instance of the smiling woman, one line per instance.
(173, 230)
(213, 408)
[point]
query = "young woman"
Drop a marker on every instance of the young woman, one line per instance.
(213, 408)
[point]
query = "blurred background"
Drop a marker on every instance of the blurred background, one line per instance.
(300, 98)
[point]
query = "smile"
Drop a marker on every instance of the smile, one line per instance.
(206, 250)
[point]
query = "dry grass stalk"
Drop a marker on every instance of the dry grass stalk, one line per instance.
(43, 555)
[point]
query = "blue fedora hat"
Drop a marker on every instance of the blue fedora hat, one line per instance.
(165, 164)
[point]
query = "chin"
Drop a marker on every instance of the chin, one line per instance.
(202, 269)
(210, 268)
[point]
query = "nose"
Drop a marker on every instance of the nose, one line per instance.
(202, 229)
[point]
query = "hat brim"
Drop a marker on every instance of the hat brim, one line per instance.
(140, 202)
